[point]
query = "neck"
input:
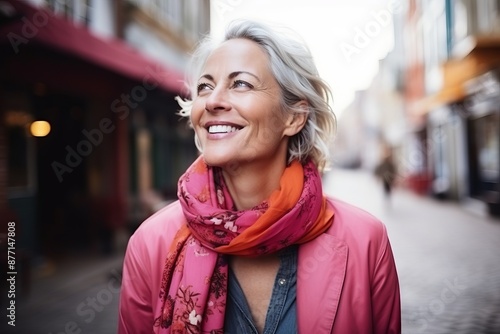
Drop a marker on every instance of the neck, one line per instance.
(250, 184)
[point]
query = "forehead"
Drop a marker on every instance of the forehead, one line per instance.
(237, 55)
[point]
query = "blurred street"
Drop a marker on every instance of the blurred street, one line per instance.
(91, 143)
(447, 260)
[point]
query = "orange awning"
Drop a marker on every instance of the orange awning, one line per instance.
(482, 54)
(445, 96)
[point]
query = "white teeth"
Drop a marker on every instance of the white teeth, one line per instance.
(221, 129)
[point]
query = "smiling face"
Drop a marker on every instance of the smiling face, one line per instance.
(236, 113)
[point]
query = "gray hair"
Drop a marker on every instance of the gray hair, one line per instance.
(293, 67)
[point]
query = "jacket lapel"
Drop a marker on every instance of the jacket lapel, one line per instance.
(321, 271)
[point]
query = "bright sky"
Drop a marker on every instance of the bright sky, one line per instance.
(347, 37)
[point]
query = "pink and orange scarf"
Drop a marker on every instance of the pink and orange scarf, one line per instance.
(194, 282)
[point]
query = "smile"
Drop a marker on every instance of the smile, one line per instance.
(222, 129)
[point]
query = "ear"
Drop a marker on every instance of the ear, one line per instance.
(297, 120)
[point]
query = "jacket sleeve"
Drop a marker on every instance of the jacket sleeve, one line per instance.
(385, 292)
(135, 310)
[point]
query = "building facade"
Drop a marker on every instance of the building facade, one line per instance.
(103, 76)
(457, 105)
(445, 67)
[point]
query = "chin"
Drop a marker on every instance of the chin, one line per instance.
(228, 163)
(216, 160)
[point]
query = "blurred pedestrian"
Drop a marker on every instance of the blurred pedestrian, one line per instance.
(386, 171)
(252, 245)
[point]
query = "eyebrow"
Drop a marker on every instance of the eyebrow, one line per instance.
(231, 75)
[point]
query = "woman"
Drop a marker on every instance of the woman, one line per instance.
(252, 245)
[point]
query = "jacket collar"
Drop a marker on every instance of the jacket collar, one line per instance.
(321, 271)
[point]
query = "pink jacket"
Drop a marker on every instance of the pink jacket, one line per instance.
(347, 280)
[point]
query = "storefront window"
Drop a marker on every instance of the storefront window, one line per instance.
(17, 157)
(487, 139)
(20, 166)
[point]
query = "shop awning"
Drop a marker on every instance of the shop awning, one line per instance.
(475, 56)
(21, 24)
(445, 96)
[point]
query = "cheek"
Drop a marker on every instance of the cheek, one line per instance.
(273, 123)
(196, 112)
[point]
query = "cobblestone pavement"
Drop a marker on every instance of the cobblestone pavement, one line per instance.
(81, 297)
(448, 258)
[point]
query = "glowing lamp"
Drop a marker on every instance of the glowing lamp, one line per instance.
(40, 128)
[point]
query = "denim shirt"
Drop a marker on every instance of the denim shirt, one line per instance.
(281, 315)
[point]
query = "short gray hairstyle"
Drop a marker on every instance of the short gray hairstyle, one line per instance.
(293, 67)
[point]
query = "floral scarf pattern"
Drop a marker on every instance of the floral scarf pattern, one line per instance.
(194, 282)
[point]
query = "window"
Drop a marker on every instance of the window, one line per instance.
(496, 23)
(75, 10)
(461, 22)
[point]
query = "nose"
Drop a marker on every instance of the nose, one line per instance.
(217, 101)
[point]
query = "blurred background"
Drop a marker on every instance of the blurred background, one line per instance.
(91, 145)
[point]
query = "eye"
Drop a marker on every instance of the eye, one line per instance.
(202, 86)
(241, 84)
